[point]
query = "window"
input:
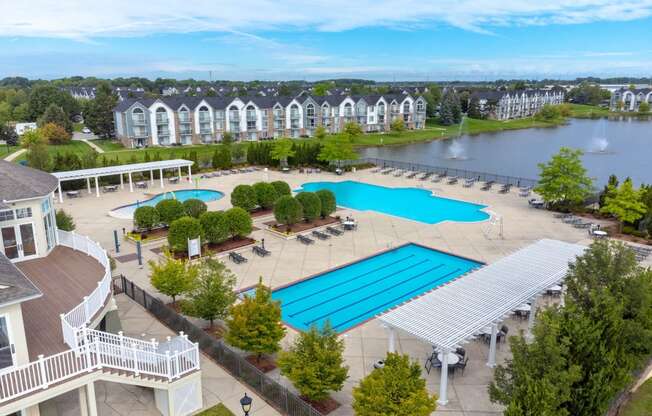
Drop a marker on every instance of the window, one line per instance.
(161, 116)
(348, 110)
(6, 215)
(138, 116)
(184, 116)
(406, 107)
(294, 117)
(234, 119)
(251, 118)
(420, 107)
(219, 119)
(24, 212)
(204, 114)
(310, 115)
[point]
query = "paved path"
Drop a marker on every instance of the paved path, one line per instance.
(14, 155)
(97, 148)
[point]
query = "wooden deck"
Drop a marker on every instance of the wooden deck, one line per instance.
(65, 276)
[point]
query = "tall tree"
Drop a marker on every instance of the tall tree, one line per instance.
(336, 150)
(351, 130)
(625, 204)
(44, 95)
(56, 115)
(282, 150)
(450, 111)
(99, 112)
(563, 181)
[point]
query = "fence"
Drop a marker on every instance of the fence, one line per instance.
(439, 170)
(272, 391)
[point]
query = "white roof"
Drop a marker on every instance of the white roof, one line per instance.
(116, 170)
(452, 314)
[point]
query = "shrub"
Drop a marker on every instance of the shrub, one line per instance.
(170, 210)
(172, 277)
(194, 207)
(239, 222)
(244, 196)
(265, 194)
(287, 210)
(64, 221)
(181, 230)
(397, 125)
(216, 228)
(282, 188)
(311, 205)
(55, 134)
(328, 202)
(146, 217)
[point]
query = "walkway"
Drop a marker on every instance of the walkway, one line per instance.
(95, 147)
(14, 155)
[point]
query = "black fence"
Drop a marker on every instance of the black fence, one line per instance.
(272, 391)
(438, 170)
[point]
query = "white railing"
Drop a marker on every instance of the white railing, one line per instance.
(100, 350)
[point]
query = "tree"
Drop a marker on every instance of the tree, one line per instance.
(351, 130)
(227, 138)
(586, 93)
(170, 210)
(609, 189)
(450, 110)
(254, 325)
(32, 137)
(146, 217)
(282, 150)
(55, 114)
(474, 108)
(222, 158)
(433, 99)
(563, 180)
(265, 194)
(38, 157)
(194, 207)
(55, 134)
(45, 95)
(98, 116)
(172, 277)
(215, 226)
(184, 229)
(64, 221)
(336, 150)
(644, 108)
(311, 205)
(320, 133)
(212, 294)
(244, 196)
(8, 135)
(320, 90)
(396, 389)
(314, 363)
(328, 202)
(397, 125)
(239, 222)
(282, 188)
(288, 211)
(548, 113)
(624, 204)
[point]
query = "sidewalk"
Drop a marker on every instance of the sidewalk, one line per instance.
(14, 155)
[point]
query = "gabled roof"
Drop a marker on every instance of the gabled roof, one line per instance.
(19, 182)
(14, 285)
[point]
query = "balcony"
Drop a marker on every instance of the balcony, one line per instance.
(204, 118)
(162, 119)
(138, 120)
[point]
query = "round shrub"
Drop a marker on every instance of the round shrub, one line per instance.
(239, 222)
(328, 203)
(311, 205)
(170, 210)
(146, 218)
(288, 210)
(265, 194)
(194, 207)
(181, 230)
(244, 196)
(282, 188)
(215, 226)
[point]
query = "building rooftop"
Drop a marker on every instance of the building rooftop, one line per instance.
(19, 182)
(14, 285)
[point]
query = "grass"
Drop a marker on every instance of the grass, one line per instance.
(108, 145)
(7, 150)
(73, 146)
(588, 111)
(218, 410)
(640, 404)
(77, 127)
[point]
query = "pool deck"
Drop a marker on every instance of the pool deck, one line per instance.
(291, 261)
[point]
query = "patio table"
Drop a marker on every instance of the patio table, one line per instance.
(524, 308)
(452, 358)
(600, 233)
(73, 194)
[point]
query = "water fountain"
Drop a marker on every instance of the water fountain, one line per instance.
(599, 142)
(456, 150)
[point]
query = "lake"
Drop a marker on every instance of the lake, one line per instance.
(621, 147)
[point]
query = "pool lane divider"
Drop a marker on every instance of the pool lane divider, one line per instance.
(362, 287)
(350, 280)
(384, 290)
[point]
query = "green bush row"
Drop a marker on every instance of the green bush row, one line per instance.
(289, 210)
(166, 212)
(259, 195)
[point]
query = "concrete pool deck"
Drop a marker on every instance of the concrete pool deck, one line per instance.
(291, 261)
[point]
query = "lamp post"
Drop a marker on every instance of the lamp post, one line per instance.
(245, 402)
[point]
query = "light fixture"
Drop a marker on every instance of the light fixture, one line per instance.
(245, 402)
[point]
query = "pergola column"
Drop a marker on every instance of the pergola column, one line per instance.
(60, 194)
(151, 177)
(189, 173)
(122, 182)
(443, 384)
(131, 183)
(161, 172)
(97, 187)
(492, 346)
(391, 339)
(88, 185)
(179, 172)
(530, 321)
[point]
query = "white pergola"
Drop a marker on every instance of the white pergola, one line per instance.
(453, 314)
(122, 170)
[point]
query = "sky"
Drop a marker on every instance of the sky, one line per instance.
(382, 40)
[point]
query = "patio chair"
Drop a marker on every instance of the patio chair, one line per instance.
(432, 362)
(334, 231)
(461, 365)
(237, 258)
(261, 251)
(305, 240)
(502, 334)
(461, 352)
(320, 235)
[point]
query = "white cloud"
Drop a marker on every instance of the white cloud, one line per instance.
(82, 19)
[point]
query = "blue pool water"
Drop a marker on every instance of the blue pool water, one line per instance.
(411, 203)
(352, 294)
(205, 195)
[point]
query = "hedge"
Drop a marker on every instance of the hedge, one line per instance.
(282, 188)
(194, 207)
(311, 205)
(287, 210)
(244, 196)
(170, 210)
(328, 202)
(181, 230)
(215, 226)
(239, 222)
(146, 217)
(265, 194)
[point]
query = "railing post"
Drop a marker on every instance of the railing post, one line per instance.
(87, 316)
(121, 340)
(98, 355)
(89, 358)
(168, 362)
(44, 374)
(134, 350)
(196, 357)
(72, 238)
(176, 359)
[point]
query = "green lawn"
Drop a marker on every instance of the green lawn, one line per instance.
(5, 150)
(73, 146)
(588, 111)
(77, 127)
(640, 404)
(108, 145)
(219, 410)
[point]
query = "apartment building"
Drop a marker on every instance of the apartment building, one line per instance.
(179, 120)
(625, 99)
(505, 105)
(56, 311)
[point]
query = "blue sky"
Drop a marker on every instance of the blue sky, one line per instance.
(375, 39)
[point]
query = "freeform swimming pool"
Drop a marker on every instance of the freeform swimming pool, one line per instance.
(206, 195)
(352, 294)
(411, 203)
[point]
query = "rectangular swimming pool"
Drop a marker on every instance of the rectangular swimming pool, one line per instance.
(351, 294)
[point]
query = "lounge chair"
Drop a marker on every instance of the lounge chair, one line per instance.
(487, 185)
(399, 173)
(237, 258)
(320, 235)
(305, 240)
(469, 183)
(261, 251)
(376, 170)
(174, 179)
(505, 189)
(412, 175)
(439, 177)
(452, 180)
(583, 224)
(425, 176)
(334, 231)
